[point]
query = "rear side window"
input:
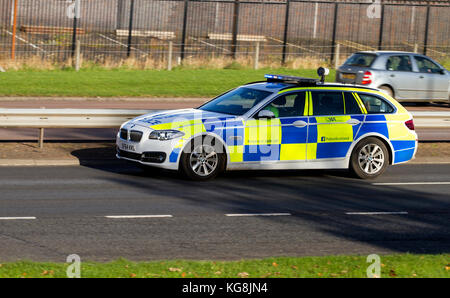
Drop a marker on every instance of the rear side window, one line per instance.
(327, 103)
(360, 59)
(351, 106)
(375, 105)
(399, 63)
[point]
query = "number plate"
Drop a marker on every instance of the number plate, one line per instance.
(127, 147)
(349, 76)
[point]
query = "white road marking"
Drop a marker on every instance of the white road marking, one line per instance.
(17, 218)
(377, 213)
(258, 214)
(413, 183)
(136, 216)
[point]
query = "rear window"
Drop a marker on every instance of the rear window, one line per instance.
(359, 59)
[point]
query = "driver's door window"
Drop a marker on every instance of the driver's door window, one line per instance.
(289, 105)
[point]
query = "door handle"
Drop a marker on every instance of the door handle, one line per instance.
(353, 122)
(392, 76)
(299, 124)
(421, 77)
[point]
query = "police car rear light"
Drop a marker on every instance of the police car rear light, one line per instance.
(367, 78)
(410, 124)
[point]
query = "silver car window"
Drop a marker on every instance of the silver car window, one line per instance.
(427, 66)
(399, 63)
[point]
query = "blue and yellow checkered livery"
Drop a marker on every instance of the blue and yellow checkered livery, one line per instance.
(279, 139)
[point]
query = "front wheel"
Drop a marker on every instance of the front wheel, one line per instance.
(369, 159)
(203, 159)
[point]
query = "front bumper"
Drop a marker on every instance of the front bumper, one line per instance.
(147, 151)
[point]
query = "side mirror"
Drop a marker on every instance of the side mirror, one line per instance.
(443, 71)
(265, 114)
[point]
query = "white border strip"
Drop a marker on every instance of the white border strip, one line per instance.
(258, 214)
(413, 183)
(17, 218)
(136, 216)
(377, 213)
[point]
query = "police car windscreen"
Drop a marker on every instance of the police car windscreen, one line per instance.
(236, 102)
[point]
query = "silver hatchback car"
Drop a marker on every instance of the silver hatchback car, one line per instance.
(403, 75)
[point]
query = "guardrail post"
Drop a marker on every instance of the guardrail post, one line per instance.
(41, 138)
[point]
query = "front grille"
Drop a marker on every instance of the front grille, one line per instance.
(135, 136)
(124, 134)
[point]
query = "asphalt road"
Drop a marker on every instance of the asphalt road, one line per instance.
(66, 211)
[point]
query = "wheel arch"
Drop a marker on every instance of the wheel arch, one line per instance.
(390, 87)
(381, 137)
(204, 134)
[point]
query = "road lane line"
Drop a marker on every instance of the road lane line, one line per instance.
(258, 214)
(136, 216)
(413, 183)
(17, 218)
(377, 213)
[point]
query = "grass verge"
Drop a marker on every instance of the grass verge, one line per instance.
(400, 265)
(133, 83)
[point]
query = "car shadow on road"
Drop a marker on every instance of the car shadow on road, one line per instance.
(322, 198)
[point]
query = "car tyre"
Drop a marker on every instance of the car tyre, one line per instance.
(369, 158)
(202, 159)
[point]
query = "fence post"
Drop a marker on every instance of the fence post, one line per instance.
(338, 53)
(333, 39)
(380, 39)
(256, 61)
(76, 15)
(286, 27)
(183, 34)
(13, 46)
(169, 58)
(119, 17)
(77, 55)
(427, 24)
(235, 29)
(130, 29)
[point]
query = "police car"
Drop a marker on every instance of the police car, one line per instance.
(283, 122)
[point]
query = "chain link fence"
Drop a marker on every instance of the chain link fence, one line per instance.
(266, 30)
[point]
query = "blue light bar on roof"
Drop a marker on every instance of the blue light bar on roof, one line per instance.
(275, 77)
(283, 78)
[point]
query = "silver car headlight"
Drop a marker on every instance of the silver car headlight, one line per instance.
(164, 135)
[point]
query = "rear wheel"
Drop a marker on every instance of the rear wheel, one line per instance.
(203, 159)
(369, 158)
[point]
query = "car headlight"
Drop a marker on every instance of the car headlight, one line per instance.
(164, 135)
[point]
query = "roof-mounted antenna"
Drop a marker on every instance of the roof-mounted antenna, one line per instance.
(322, 72)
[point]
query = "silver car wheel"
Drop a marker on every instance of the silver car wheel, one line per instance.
(371, 159)
(203, 160)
